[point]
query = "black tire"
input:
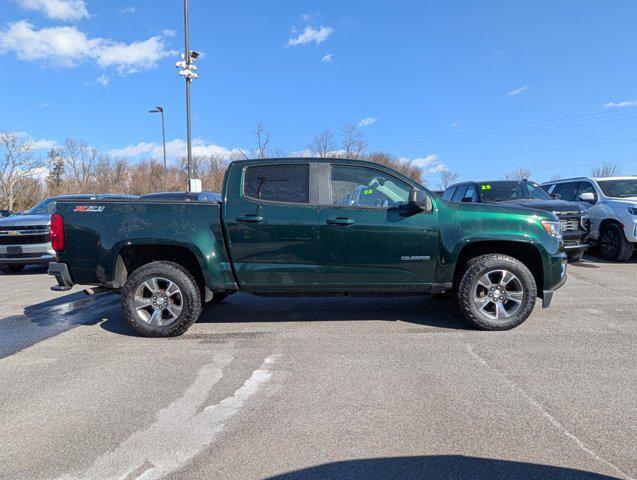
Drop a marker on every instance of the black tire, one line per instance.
(575, 257)
(12, 268)
(613, 244)
(189, 299)
(524, 290)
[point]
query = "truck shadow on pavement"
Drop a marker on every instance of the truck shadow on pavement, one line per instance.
(420, 310)
(48, 319)
(438, 467)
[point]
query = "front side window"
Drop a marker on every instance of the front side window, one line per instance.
(471, 193)
(459, 195)
(366, 187)
(619, 188)
(278, 183)
(449, 193)
(567, 191)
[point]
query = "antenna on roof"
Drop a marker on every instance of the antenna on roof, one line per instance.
(246, 157)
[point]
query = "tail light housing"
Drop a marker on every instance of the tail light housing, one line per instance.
(57, 232)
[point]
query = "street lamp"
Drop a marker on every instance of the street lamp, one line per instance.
(163, 136)
(187, 69)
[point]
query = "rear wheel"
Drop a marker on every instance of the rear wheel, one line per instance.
(496, 292)
(12, 268)
(161, 299)
(613, 244)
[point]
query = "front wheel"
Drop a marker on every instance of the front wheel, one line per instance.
(613, 244)
(161, 299)
(496, 292)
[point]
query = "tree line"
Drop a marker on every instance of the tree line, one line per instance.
(27, 177)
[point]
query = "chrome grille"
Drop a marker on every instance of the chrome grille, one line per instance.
(570, 224)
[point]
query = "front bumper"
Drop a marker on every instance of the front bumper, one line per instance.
(547, 294)
(61, 273)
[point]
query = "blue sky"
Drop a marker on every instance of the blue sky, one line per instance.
(480, 88)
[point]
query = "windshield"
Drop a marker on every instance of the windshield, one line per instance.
(619, 188)
(511, 190)
(44, 207)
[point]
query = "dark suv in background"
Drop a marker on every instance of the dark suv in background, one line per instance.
(523, 193)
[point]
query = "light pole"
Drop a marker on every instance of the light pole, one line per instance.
(163, 138)
(187, 70)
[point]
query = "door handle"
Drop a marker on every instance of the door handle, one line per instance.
(249, 218)
(341, 221)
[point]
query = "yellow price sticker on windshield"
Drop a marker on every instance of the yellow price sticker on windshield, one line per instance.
(485, 187)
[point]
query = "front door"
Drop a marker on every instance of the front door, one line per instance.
(272, 227)
(370, 239)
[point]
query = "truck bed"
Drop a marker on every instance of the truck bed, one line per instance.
(101, 236)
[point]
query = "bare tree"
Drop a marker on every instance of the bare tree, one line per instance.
(323, 144)
(17, 164)
(446, 178)
(81, 161)
(608, 169)
(55, 178)
(262, 135)
(401, 166)
(520, 173)
(353, 141)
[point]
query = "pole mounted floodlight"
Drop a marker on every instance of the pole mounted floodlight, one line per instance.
(188, 70)
(163, 136)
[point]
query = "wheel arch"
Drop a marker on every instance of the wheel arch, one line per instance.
(527, 253)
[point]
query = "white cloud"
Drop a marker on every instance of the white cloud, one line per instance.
(518, 91)
(57, 9)
(497, 53)
(44, 144)
(175, 149)
(328, 58)
(127, 10)
(622, 104)
(102, 80)
(169, 32)
(428, 164)
(45, 104)
(68, 47)
(309, 35)
(365, 122)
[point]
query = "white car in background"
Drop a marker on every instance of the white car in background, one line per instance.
(612, 207)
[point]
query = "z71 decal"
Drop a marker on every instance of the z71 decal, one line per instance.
(89, 208)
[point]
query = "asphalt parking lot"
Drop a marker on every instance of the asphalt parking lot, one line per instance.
(321, 388)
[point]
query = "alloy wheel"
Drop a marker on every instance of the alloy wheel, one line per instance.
(498, 294)
(158, 301)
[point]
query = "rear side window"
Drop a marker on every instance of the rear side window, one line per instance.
(278, 183)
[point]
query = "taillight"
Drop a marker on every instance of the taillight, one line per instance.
(57, 232)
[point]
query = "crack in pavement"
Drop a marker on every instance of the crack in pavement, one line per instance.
(545, 413)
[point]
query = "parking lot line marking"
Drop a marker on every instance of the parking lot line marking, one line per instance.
(554, 421)
(182, 429)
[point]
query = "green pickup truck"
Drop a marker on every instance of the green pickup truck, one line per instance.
(308, 227)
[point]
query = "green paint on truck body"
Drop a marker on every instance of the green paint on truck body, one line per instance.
(293, 249)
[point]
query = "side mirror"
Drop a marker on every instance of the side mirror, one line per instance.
(556, 196)
(587, 197)
(418, 200)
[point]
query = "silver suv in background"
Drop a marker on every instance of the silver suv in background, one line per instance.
(612, 208)
(24, 237)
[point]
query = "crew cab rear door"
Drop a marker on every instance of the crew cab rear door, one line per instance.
(370, 239)
(271, 220)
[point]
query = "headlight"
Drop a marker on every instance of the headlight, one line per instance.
(554, 229)
(632, 210)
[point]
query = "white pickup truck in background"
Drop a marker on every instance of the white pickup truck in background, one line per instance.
(612, 208)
